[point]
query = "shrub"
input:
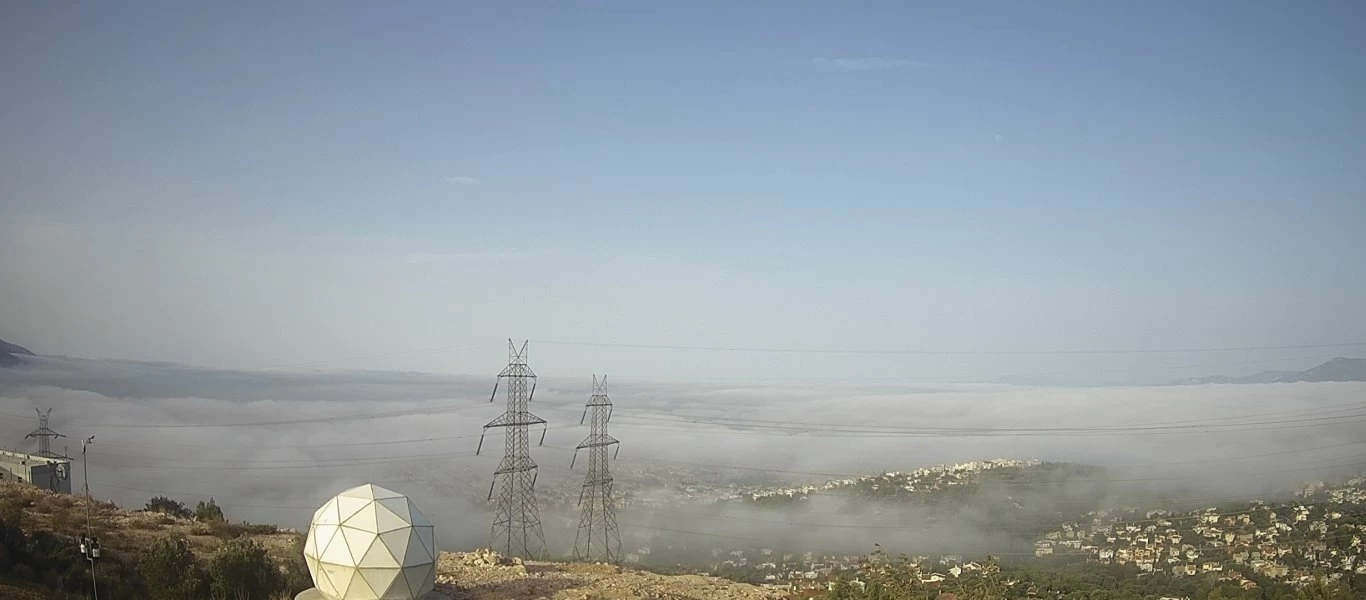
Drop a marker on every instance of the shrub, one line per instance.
(241, 570)
(167, 506)
(208, 512)
(256, 529)
(171, 571)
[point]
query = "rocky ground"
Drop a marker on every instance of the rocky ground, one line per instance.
(484, 575)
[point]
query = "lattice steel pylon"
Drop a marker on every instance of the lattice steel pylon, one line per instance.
(516, 521)
(598, 538)
(44, 435)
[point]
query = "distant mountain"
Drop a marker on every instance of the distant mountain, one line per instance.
(9, 354)
(1338, 369)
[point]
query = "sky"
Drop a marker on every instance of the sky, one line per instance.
(263, 185)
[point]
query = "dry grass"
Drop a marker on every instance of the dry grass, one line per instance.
(119, 531)
(469, 576)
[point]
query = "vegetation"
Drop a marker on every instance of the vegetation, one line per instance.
(209, 512)
(884, 578)
(296, 576)
(171, 570)
(242, 570)
(167, 506)
(49, 561)
(151, 554)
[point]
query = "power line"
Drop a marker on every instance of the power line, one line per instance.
(854, 430)
(920, 529)
(310, 420)
(310, 465)
(988, 380)
(948, 352)
(438, 349)
(1318, 413)
(848, 475)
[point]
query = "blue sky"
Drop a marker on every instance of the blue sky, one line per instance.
(266, 184)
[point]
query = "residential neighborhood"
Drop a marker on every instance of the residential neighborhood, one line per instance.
(1321, 531)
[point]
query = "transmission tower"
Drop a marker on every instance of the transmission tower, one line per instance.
(44, 435)
(597, 537)
(516, 521)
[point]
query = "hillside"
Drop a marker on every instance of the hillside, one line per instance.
(120, 531)
(1011, 495)
(1338, 369)
(479, 575)
(484, 575)
(10, 353)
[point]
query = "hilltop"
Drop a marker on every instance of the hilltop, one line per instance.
(484, 575)
(10, 353)
(480, 575)
(1338, 369)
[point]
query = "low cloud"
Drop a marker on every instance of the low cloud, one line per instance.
(462, 180)
(294, 442)
(871, 63)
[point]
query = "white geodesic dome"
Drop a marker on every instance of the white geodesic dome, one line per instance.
(369, 543)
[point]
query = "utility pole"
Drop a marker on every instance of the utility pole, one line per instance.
(90, 547)
(44, 434)
(597, 535)
(516, 521)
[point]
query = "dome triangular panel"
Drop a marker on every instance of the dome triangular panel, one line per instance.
(421, 579)
(398, 590)
(336, 552)
(397, 543)
(313, 567)
(327, 515)
(385, 519)
(364, 492)
(378, 556)
(358, 541)
(347, 506)
(339, 578)
(360, 589)
(428, 537)
(322, 537)
(417, 552)
(364, 519)
(416, 517)
(380, 579)
(397, 506)
(384, 493)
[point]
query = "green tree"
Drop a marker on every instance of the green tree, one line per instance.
(241, 570)
(1321, 589)
(208, 512)
(171, 570)
(171, 507)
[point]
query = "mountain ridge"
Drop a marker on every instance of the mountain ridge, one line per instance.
(1338, 369)
(10, 353)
